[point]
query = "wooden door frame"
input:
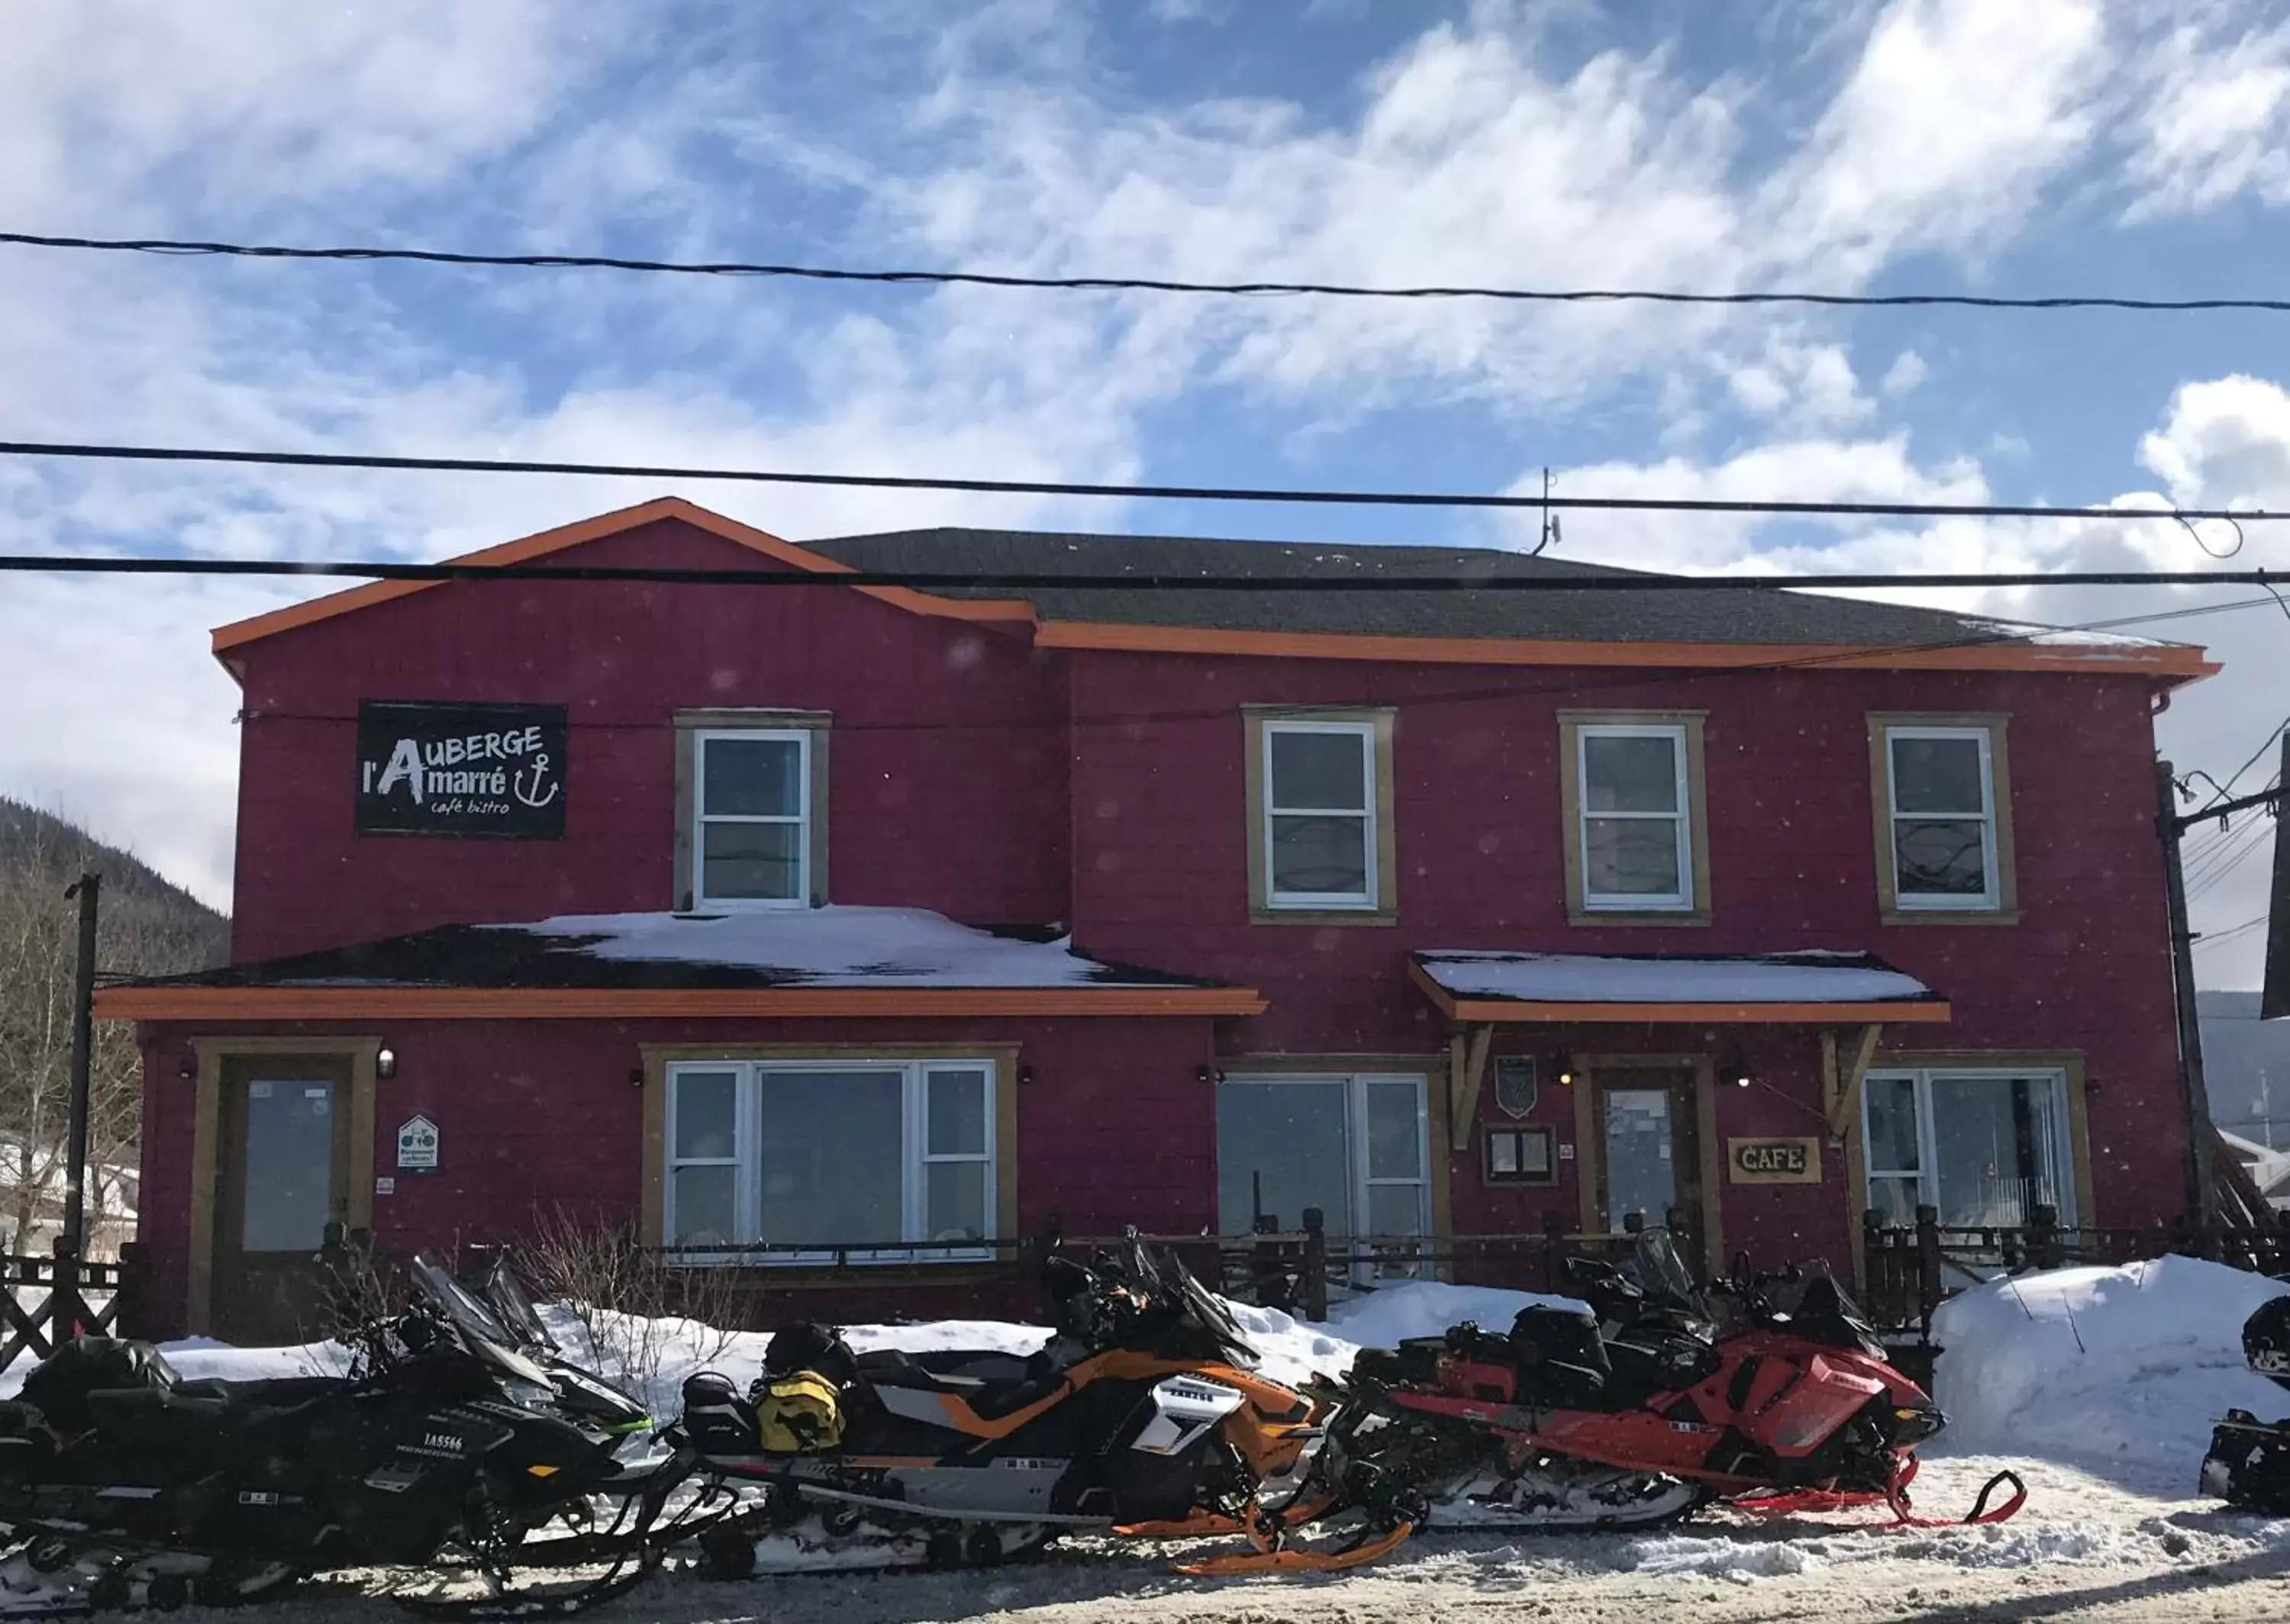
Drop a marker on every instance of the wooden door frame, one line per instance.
(206, 1145)
(1590, 1147)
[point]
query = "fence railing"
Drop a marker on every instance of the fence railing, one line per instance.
(46, 1301)
(1910, 1270)
(1295, 1270)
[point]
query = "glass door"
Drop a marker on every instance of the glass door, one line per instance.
(1649, 1158)
(285, 1176)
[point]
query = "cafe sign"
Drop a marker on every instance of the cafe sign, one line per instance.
(1773, 1160)
(467, 770)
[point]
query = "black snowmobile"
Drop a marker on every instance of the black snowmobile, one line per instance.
(121, 1485)
(1144, 1410)
(2249, 1461)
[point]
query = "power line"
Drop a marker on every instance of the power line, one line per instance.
(2208, 938)
(1209, 493)
(1128, 285)
(1008, 580)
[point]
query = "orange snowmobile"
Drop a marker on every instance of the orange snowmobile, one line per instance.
(1144, 1414)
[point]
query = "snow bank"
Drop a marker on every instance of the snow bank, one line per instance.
(2121, 1371)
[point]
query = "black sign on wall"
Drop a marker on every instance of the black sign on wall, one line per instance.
(470, 770)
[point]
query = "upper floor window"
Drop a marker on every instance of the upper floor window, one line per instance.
(1634, 811)
(751, 810)
(1320, 812)
(1943, 830)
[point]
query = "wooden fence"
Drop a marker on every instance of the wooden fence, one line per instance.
(48, 1300)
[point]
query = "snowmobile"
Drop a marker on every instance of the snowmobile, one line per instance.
(1143, 1412)
(2248, 1464)
(122, 1485)
(1635, 1411)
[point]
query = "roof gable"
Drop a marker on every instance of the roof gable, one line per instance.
(548, 543)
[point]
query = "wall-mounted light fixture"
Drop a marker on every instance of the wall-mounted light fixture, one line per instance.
(636, 1076)
(1207, 1074)
(385, 1064)
(1733, 1068)
(1562, 1068)
(187, 1070)
(1025, 1077)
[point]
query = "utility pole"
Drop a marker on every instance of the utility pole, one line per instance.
(83, 1061)
(2172, 825)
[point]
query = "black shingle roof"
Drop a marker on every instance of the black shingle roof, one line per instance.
(512, 957)
(1688, 614)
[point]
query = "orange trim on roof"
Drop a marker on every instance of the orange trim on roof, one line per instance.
(547, 542)
(661, 1002)
(2174, 664)
(1619, 1012)
(2180, 662)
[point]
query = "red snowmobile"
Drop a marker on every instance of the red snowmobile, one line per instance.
(1635, 1411)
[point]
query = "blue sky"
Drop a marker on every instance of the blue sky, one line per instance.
(1862, 145)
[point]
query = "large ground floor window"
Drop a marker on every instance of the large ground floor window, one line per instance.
(825, 1155)
(1984, 1147)
(1356, 1147)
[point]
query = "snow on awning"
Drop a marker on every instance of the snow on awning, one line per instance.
(820, 961)
(1815, 985)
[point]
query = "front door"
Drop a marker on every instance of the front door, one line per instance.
(1649, 1153)
(284, 1175)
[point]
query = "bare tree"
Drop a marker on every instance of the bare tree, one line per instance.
(148, 927)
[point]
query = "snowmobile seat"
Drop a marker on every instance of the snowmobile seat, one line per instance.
(188, 1427)
(1010, 1387)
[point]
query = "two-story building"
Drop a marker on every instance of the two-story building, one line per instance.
(819, 917)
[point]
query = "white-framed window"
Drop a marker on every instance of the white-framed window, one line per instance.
(751, 804)
(1319, 828)
(1941, 806)
(1636, 813)
(1985, 1146)
(1358, 1147)
(831, 1156)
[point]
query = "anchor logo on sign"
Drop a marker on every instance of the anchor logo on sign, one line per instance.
(527, 783)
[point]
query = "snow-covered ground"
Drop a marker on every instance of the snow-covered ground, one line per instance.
(2098, 1385)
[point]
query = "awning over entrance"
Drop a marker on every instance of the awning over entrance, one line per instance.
(1810, 985)
(792, 962)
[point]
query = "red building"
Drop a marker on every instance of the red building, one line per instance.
(818, 915)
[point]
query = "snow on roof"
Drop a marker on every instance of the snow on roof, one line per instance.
(834, 946)
(1814, 976)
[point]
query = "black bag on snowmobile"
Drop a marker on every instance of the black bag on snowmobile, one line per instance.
(808, 1347)
(58, 1386)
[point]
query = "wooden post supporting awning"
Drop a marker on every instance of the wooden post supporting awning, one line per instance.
(1841, 1080)
(1467, 1069)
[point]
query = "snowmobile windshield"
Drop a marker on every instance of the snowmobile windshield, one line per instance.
(478, 1329)
(1212, 1314)
(504, 1293)
(1659, 1272)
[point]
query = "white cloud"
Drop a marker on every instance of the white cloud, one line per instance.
(1906, 372)
(1806, 384)
(2215, 120)
(1955, 117)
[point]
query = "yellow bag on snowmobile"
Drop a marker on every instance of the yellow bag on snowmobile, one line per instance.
(798, 1414)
